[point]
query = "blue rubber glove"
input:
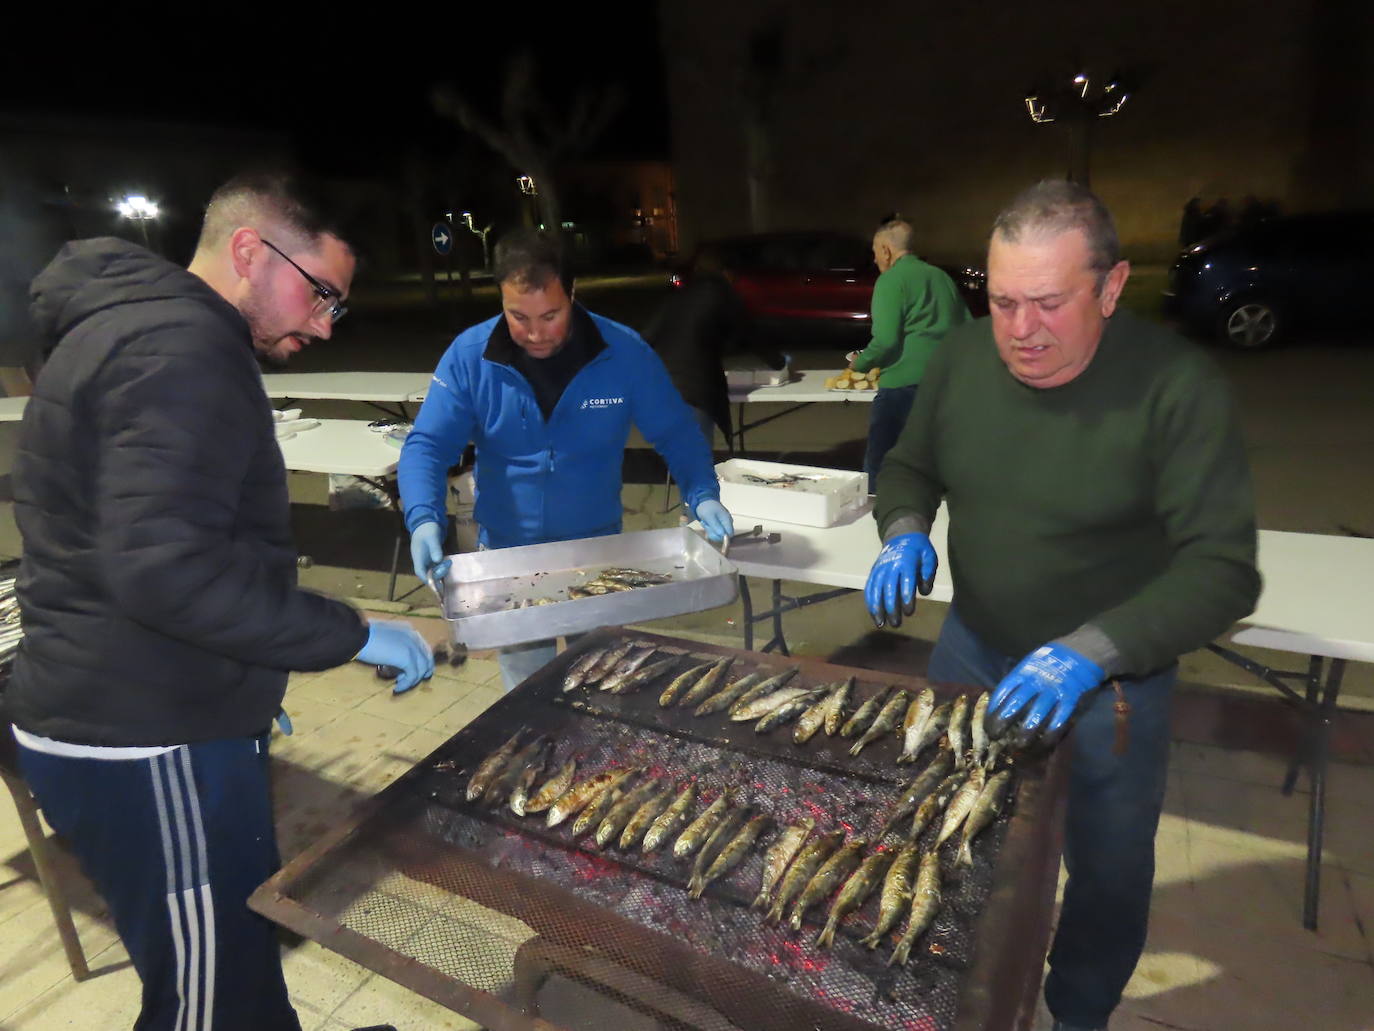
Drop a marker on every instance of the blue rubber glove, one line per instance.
(906, 563)
(427, 551)
(284, 723)
(400, 646)
(1046, 683)
(715, 520)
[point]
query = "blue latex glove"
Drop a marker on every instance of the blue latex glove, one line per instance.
(1046, 683)
(284, 723)
(400, 646)
(715, 520)
(427, 551)
(906, 563)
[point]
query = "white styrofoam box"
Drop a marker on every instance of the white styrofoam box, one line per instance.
(757, 377)
(818, 498)
(739, 377)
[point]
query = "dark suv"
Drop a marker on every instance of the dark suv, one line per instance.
(1253, 285)
(814, 275)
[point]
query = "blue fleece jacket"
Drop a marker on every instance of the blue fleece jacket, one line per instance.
(554, 480)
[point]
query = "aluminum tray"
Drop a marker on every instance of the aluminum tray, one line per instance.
(483, 588)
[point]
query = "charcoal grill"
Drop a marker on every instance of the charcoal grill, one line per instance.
(517, 926)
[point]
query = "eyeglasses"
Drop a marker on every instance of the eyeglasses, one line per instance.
(328, 298)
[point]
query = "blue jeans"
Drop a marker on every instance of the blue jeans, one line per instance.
(1113, 812)
(891, 406)
(175, 844)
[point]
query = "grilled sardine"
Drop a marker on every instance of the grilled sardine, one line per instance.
(760, 690)
(707, 685)
(958, 731)
(918, 715)
(552, 789)
(886, 720)
(895, 900)
(492, 766)
(925, 903)
(581, 794)
(799, 874)
(865, 714)
(680, 683)
(854, 894)
(731, 855)
(985, 810)
(779, 856)
(666, 824)
(700, 829)
(834, 870)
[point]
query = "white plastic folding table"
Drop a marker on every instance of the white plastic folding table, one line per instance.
(378, 389)
(350, 447)
(1317, 602)
(807, 389)
(12, 408)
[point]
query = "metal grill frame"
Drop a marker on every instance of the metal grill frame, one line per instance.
(999, 990)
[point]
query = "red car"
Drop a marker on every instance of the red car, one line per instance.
(813, 275)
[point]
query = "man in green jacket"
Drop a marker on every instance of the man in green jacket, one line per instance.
(914, 306)
(1101, 525)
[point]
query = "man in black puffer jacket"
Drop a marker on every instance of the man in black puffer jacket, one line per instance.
(158, 586)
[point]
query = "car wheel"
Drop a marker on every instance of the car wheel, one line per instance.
(1251, 324)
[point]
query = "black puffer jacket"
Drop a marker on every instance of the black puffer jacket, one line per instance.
(158, 584)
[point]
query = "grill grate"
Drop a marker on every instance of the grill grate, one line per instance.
(503, 904)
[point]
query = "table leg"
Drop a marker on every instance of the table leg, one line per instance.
(1312, 683)
(748, 615)
(778, 638)
(1320, 755)
(395, 564)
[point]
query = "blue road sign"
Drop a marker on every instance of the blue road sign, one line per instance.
(442, 237)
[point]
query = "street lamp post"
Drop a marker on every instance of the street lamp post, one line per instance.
(1077, 104)
(467, 221)
(140, 209)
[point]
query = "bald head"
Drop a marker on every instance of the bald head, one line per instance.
(893, 240)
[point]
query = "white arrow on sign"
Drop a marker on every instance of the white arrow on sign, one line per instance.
(441, 238)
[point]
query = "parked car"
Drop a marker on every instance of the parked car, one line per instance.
(813, 275)
(1254, 285)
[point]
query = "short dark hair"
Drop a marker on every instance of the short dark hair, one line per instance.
(279, 202)
(1055, 206)
(529, 259)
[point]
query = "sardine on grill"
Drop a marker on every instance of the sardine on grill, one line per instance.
(780, 856)
(854, 894)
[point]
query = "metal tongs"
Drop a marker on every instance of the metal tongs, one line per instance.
(438, 590)
(754, 536)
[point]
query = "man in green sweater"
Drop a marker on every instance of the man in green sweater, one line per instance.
(1101, 525)
(914, 305)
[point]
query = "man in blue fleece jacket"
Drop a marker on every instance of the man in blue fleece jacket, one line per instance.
(547, 391)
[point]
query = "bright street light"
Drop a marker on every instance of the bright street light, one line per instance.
(137, 206)
(140, 209)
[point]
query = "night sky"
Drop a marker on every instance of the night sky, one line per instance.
(366, 98)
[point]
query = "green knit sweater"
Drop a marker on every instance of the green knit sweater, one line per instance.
(914, 306)
(1120, 501)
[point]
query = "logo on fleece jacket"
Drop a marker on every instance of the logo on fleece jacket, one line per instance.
(601, 402)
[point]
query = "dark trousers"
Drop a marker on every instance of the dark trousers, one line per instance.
(891, 406)
(1113, 812)
(175, 844)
